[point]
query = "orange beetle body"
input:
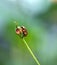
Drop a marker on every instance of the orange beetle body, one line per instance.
(21, 31)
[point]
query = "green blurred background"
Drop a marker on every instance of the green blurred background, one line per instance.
(40, 19)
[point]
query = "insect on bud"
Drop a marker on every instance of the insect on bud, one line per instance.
(22, 31)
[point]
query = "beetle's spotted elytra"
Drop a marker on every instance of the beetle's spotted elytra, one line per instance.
(21, 31)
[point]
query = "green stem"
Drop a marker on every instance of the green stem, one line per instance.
(31, 52)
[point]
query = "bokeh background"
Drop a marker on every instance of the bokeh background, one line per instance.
(40, 19)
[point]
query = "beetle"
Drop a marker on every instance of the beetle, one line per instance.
(21, 31)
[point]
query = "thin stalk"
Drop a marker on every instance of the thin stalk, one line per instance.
(34, 57)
